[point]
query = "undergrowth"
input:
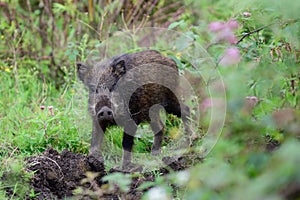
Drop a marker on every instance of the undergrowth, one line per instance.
(42, 104)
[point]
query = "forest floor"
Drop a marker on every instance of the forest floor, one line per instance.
(59, 175)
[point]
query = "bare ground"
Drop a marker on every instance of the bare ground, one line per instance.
(58, 175)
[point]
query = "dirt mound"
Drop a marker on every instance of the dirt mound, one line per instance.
(58, 175)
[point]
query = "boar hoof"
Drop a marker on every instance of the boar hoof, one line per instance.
(128, 169)
(155, 152)
(96, 154)
(132, 168)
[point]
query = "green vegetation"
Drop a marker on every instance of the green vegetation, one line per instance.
(257, 155)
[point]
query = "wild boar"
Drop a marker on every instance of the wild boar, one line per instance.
(129, 89)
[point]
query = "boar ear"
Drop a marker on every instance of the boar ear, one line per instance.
(119, 68)
(81, 70)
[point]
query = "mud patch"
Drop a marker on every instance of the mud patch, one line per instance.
(58, 174)
(66, 174)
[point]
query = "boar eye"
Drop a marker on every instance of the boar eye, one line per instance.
(82, 70)
(119, 68)
(81, 66)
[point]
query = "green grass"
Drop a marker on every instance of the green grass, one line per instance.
(29, 129)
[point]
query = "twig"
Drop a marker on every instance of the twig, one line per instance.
(263, 27)
(124, 22)
(251, 32)
(89, 26)
(136, 8)
(101, 24)
(53, 162)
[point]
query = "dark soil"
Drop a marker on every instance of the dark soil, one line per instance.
(57, 175)
(76, 176)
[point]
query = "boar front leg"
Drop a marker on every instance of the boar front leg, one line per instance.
(97, 138)
(127, 143)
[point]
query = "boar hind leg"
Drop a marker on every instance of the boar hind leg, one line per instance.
(184, 114)
(158, 129)
(97, 138)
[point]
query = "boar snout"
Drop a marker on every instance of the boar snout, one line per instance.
(105, 114)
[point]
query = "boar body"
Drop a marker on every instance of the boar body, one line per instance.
(129, 89)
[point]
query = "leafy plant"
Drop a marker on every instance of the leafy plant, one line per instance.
(254, 45)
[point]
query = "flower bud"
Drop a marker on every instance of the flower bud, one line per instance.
(246, 14)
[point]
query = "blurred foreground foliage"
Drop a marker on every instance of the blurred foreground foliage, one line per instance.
(257, 155)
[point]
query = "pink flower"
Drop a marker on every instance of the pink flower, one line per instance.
(50, 108)
(253, 100)
(232, 24)
(42, 107)
(246, 14)
(227, 35)
(206, 103)
(232, 56)
(216, 26)
(224, 31)
(250, 103)
(209, 103)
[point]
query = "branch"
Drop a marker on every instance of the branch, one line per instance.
(263, 27)
(251, 32)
